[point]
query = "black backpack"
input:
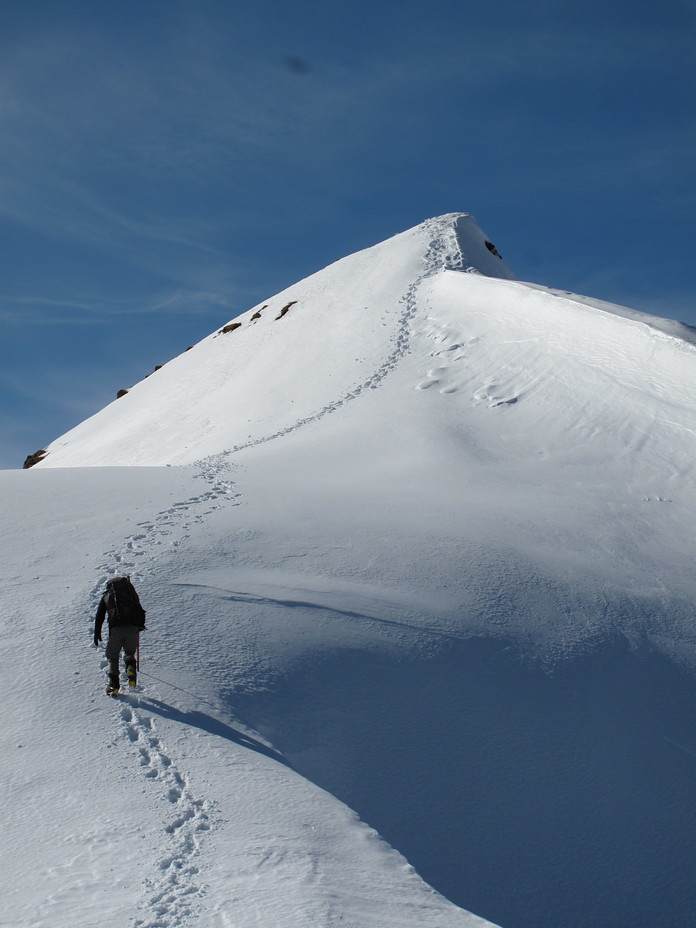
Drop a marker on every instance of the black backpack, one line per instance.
(123, 604)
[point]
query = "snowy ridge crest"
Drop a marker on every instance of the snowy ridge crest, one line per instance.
(286, 363)
(463, 246)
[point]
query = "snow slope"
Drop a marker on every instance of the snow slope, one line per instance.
(293, 359)
(152, 809)
(425, 555)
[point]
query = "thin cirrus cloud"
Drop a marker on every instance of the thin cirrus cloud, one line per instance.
(138, 162)
(88, 115)
(32, 310)
(160, 159)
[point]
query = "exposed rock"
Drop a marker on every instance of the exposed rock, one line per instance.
(285, 309)
(34, 458)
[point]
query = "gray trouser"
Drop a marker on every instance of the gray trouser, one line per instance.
(121, 637)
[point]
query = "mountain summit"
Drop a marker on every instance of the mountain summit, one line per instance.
(287, 361)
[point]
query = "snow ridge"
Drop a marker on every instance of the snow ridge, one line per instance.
(464, 247)
(258, 379)
(444, 249)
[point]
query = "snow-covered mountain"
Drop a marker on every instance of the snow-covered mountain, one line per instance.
(419, 593)
(286, 362)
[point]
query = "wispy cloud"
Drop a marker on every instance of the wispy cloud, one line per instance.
(112, 146)
(149, 164)
(30, 310)
(165, 160)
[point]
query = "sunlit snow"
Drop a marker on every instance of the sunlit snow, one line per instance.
(415, 542)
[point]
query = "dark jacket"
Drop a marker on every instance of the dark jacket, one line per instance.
(133, 615)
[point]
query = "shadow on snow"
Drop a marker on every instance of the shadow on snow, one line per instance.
(528, 797)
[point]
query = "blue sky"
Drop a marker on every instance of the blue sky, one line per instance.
(166, 164)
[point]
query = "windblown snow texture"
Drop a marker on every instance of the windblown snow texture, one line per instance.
(420, 626)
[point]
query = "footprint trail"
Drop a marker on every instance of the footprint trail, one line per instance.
(171, 894)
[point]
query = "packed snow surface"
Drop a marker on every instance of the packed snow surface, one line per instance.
(420, 627)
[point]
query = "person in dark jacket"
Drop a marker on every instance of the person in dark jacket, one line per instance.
(126, 617)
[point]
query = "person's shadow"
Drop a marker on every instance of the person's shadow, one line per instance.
(212, 725)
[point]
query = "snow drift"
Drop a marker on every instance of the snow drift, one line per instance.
(425, 555)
